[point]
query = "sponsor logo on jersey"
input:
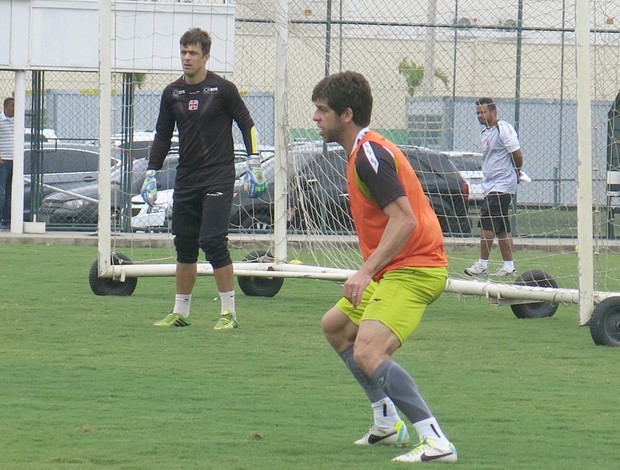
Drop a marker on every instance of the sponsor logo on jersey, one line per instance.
(209, 89)
(370, 156)
(192, 105)
(176, 93)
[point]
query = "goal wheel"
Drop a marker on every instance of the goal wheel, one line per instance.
(260, 286)
(102, 286)
(605, 322)
(535, 278)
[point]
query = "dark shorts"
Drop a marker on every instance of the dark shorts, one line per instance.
(494, 213)
(200, 217)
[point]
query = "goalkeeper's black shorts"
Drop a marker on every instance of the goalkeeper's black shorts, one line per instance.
(200, 218)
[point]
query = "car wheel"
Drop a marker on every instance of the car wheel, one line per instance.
(101, 286)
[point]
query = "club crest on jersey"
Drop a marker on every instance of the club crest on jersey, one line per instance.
(209, 89)
(192, 105)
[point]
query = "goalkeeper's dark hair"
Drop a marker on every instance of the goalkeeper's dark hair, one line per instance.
(486, 100)
(197, 36)
(346, 90)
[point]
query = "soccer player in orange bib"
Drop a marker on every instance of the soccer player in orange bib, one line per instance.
(404, 269)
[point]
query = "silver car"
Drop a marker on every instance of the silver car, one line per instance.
(60, 166)
(469, 165)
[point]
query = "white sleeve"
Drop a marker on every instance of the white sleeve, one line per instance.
(509, 138)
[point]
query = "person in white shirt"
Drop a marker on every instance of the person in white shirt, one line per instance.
(6, 160)
(502, 160)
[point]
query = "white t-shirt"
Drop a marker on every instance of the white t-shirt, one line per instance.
(498, 143)
(6, 137)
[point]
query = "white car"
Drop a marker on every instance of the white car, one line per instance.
(469, 165)
(159, 216)
(146, 218)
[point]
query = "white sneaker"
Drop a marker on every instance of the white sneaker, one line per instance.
(505, 272)
(477, 269)
(398, 436)
(426, 451)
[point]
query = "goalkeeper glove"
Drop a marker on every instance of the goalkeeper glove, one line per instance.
(254, 181)
(149, 188)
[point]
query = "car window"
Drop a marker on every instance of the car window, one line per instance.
(137, 150)
(420, 164)
(141, 148)
(467, 163)
(69, 161)
(436, 172)
(66, 161)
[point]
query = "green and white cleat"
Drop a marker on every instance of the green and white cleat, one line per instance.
(173, 319)
(226, 322)
(398, 436)
(427, 451)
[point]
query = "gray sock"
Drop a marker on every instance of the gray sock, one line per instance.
(370, 387)
(401, 388)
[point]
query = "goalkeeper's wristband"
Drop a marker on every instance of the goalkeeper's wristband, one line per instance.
(254, 162)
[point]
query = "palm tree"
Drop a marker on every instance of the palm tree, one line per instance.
(414, 74)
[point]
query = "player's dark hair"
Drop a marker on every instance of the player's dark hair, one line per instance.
(197, 36)
(346, 90)
(7, 100)
(486, 100)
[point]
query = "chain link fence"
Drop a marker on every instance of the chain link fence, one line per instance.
(427, 62)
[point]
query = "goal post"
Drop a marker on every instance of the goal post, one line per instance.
(584, 175)
(104, 229)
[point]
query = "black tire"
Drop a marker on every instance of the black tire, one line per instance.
(605, 322)
(535, 278)
(101, 286)
(260, 286)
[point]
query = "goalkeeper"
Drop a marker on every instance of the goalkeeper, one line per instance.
(203, 106)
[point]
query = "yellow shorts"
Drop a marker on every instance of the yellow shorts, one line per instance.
(399, 299)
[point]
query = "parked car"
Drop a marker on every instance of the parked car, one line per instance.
(158, 217)
(469, 165)
(142, 141)
(322, 201)
(145, 218)
(61, 167)
(80, 205)
(318, 198)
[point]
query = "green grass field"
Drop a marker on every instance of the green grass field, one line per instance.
(88, 383)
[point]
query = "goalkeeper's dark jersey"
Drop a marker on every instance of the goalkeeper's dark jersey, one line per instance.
(203, 114)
